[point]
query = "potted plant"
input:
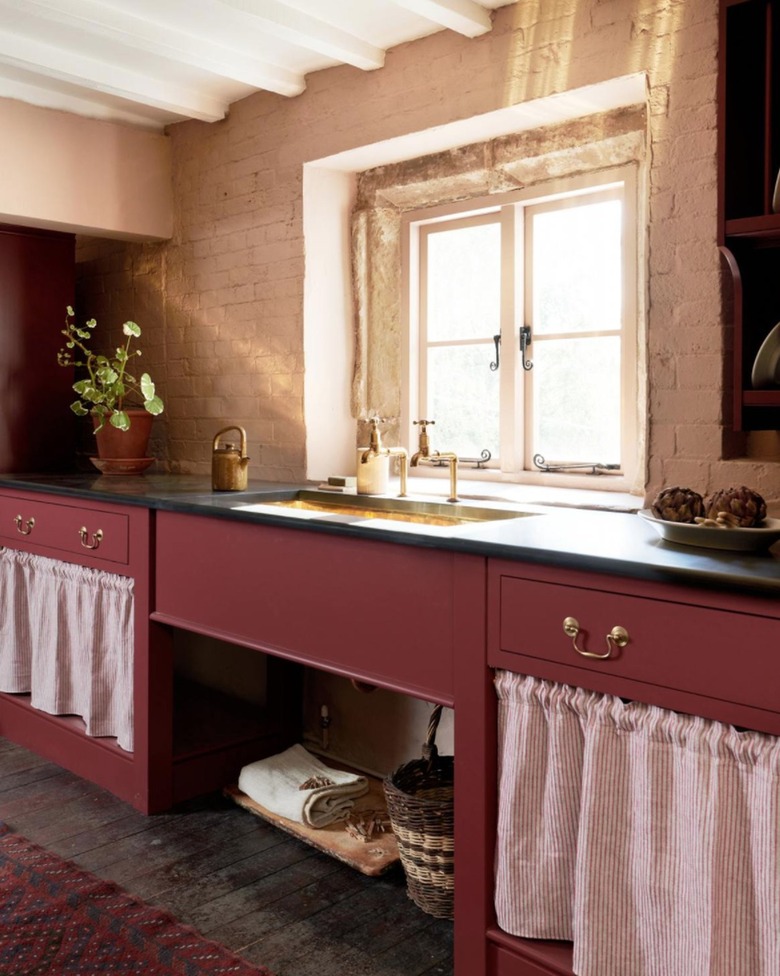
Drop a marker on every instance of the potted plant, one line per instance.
(108, 391)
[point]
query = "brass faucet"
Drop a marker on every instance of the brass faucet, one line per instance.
(376, 449)
(423, 455)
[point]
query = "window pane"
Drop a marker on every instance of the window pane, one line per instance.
(576, 397)
(463, 400)
(577, 268)
(464, 283)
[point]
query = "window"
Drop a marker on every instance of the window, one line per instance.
(522, 327)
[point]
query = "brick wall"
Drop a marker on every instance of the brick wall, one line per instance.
(221, 303)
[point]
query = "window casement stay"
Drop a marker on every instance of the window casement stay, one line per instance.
(525, 342)
(497, 361)
(596, 467)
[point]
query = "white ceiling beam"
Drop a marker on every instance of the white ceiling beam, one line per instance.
(305, 31)
(464, 16)
(180, 45)
(92, 104)
(53, 62)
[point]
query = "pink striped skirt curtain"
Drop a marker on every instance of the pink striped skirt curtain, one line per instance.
(648, 838)
(66, 638)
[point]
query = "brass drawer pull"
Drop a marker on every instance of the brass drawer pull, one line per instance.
(24, 527)
(96, 538)
(617, 637)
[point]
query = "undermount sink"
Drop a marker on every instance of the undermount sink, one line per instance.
(308, 503)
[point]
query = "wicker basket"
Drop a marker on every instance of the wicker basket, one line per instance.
(420, 802)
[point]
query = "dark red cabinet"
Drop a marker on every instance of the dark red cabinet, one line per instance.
(375, 611)
(37, 428)
(749, 194)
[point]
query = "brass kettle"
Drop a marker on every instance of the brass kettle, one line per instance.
(229, 464)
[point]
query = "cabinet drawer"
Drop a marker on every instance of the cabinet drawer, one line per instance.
(27, 523)
(722, 654)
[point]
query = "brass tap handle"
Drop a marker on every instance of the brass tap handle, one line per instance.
(375, 438)
(617, 637)
(424, 444)
(97, 538)
(24, 527)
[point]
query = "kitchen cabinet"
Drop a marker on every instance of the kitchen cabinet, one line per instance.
(372, 611)
(428, 618)
(188, 739)
(701, 651)
(749, 195)
(115, 539)
(37, 271)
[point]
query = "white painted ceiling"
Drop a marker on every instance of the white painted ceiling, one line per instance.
(152, 62)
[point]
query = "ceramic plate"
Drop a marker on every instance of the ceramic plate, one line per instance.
(766, 368)
(737, 540)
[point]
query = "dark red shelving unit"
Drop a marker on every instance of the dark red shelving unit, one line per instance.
(749, 163)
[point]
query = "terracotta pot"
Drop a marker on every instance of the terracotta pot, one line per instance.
(123, 451)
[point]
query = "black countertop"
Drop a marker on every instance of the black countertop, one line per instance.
(600, 541)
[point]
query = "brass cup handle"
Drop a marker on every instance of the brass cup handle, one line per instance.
(23, 526)
(97, 537)
(617, 637)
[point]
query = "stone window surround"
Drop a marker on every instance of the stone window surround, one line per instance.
(384, 194)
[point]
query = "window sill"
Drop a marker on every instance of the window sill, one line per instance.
(567, 491)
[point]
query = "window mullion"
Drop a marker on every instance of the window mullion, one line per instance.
(510, 383)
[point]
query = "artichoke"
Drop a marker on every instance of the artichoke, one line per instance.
(740, 506)
(678, 505)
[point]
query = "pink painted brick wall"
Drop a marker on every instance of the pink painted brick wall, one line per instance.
(221, 302)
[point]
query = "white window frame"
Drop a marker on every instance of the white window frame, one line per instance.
(510, 209)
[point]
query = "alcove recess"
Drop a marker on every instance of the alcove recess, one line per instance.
(748, 166)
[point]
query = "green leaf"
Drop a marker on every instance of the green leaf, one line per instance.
(154, 405)
(82, 386)
(131, 329)
(121, 355)
(79, 409)
(91, 324)
(120, 419)
(107, 375)
(147, 386)
(69, 311)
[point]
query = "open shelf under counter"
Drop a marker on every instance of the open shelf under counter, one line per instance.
(215, 734)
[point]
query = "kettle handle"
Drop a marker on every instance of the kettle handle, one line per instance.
(224, 430)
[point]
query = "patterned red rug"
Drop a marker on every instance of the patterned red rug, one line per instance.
(57, 920)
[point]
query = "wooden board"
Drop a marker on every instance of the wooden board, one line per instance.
(372, 857)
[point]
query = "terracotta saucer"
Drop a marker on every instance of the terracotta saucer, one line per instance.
(122, 465)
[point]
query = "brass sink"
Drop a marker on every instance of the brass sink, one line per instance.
(358, 508)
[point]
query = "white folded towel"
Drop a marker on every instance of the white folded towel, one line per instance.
(296, 785)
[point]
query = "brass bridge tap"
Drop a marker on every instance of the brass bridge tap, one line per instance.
(376, 449)
(423, 454)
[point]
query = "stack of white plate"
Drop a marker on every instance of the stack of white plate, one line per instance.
(766, 368)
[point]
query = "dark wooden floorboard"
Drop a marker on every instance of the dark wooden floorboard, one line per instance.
(239, 881)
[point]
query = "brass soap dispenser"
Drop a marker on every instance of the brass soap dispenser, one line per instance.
(229, 464)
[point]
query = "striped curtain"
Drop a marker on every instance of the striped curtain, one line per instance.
(66, 638)
(648, 838)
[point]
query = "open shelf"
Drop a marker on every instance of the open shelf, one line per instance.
(766, 226)
(215, 734)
